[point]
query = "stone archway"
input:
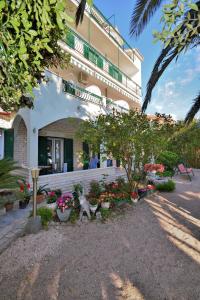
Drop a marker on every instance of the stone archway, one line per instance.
(20, 141)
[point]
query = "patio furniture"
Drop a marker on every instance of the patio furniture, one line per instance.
(185, 171)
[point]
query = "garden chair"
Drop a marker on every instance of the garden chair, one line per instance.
(185, 171)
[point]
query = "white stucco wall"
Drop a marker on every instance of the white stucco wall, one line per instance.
(52, 104)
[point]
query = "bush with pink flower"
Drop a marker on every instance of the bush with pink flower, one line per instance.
(66, 201)
(154, 168)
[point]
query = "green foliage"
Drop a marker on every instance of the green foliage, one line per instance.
(186, 143)
(95, 189)
(46, 215)
(180, 21)
(105, 213)
(130, 137)
(30, 31)
(169, 160)
(166, 187)
(165, 174)
(7, 180)
(42, 189)
(74, 216)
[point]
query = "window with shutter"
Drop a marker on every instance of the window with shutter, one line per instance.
(70, 39)
(42, 151)
(9, 143)
(86, 51)
(68, 154)
(100, 62)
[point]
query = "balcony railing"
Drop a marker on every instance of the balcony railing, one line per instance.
(99, 17)
(77, 43)
(87, 96)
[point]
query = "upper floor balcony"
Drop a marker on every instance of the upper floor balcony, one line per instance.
(97, 30)
(85, 50)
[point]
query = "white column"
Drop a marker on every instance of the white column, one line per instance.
(32, 147)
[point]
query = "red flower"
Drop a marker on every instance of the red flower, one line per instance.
(28, 186)
(151, 187)
(134, 195)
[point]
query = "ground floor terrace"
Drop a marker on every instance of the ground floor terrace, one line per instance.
(150, 252)
(62, 157)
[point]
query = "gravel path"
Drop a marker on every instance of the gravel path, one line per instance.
(150, 252)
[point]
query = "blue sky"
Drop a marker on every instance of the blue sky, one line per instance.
(180, 82)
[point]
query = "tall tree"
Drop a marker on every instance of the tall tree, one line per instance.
(29, 31)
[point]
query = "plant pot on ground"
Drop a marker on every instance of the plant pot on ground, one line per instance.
(42, 192)
(23, 203)
(93, 203)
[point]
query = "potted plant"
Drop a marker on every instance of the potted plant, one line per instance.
(24, 193)
(51, 199)
(105, 200)
(77, 192)
(93, 203)
(134, 197)
(41, 193)
(64, 206)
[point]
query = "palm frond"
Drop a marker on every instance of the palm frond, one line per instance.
(80, 12)
(164, 59)
(193, 110)
(166, 56)
(142, 13)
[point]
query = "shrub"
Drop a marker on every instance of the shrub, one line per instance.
(165, 174)
(105, 213)
(52, 197)
(169, 160)
(95, 188)
(46, 215)
(168, 186)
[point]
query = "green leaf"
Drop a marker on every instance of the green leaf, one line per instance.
(33, 32)
(193, 6)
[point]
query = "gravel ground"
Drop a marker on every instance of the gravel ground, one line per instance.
(150, 252)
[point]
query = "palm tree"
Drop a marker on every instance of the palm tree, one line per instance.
(142, 13)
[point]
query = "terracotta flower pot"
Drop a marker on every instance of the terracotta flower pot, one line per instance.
(8, 206)
(40, 198)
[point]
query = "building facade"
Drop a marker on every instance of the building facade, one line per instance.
(104, 73)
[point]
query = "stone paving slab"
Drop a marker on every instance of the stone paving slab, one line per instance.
(12, 225)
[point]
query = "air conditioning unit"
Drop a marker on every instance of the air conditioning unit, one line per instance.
(83, 78)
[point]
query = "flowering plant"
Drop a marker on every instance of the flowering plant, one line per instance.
(51, 197)
(66, 201)
(25, 189)
(154, 167)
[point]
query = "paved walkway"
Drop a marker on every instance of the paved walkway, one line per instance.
(152, 252)
(12, 225)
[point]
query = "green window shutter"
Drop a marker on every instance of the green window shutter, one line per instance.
(86, 155)
(70, 39)
(120, 76)
(100, 62)
(93, 56)
(68, 154)
(86, 51)
(111, 70)
(9, 143)
(68, 88)
(42, 151)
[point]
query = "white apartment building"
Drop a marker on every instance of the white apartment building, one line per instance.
(105, 73)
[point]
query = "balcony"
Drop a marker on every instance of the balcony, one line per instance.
(87, 96)
(75, 42)
(104, 23)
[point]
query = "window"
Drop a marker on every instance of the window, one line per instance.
(115, 73)
(70, 39)
(93, 56)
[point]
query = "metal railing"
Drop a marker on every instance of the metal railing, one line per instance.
(87, 96)
(77, 43)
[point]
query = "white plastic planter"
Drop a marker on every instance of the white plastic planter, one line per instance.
(105, 205)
